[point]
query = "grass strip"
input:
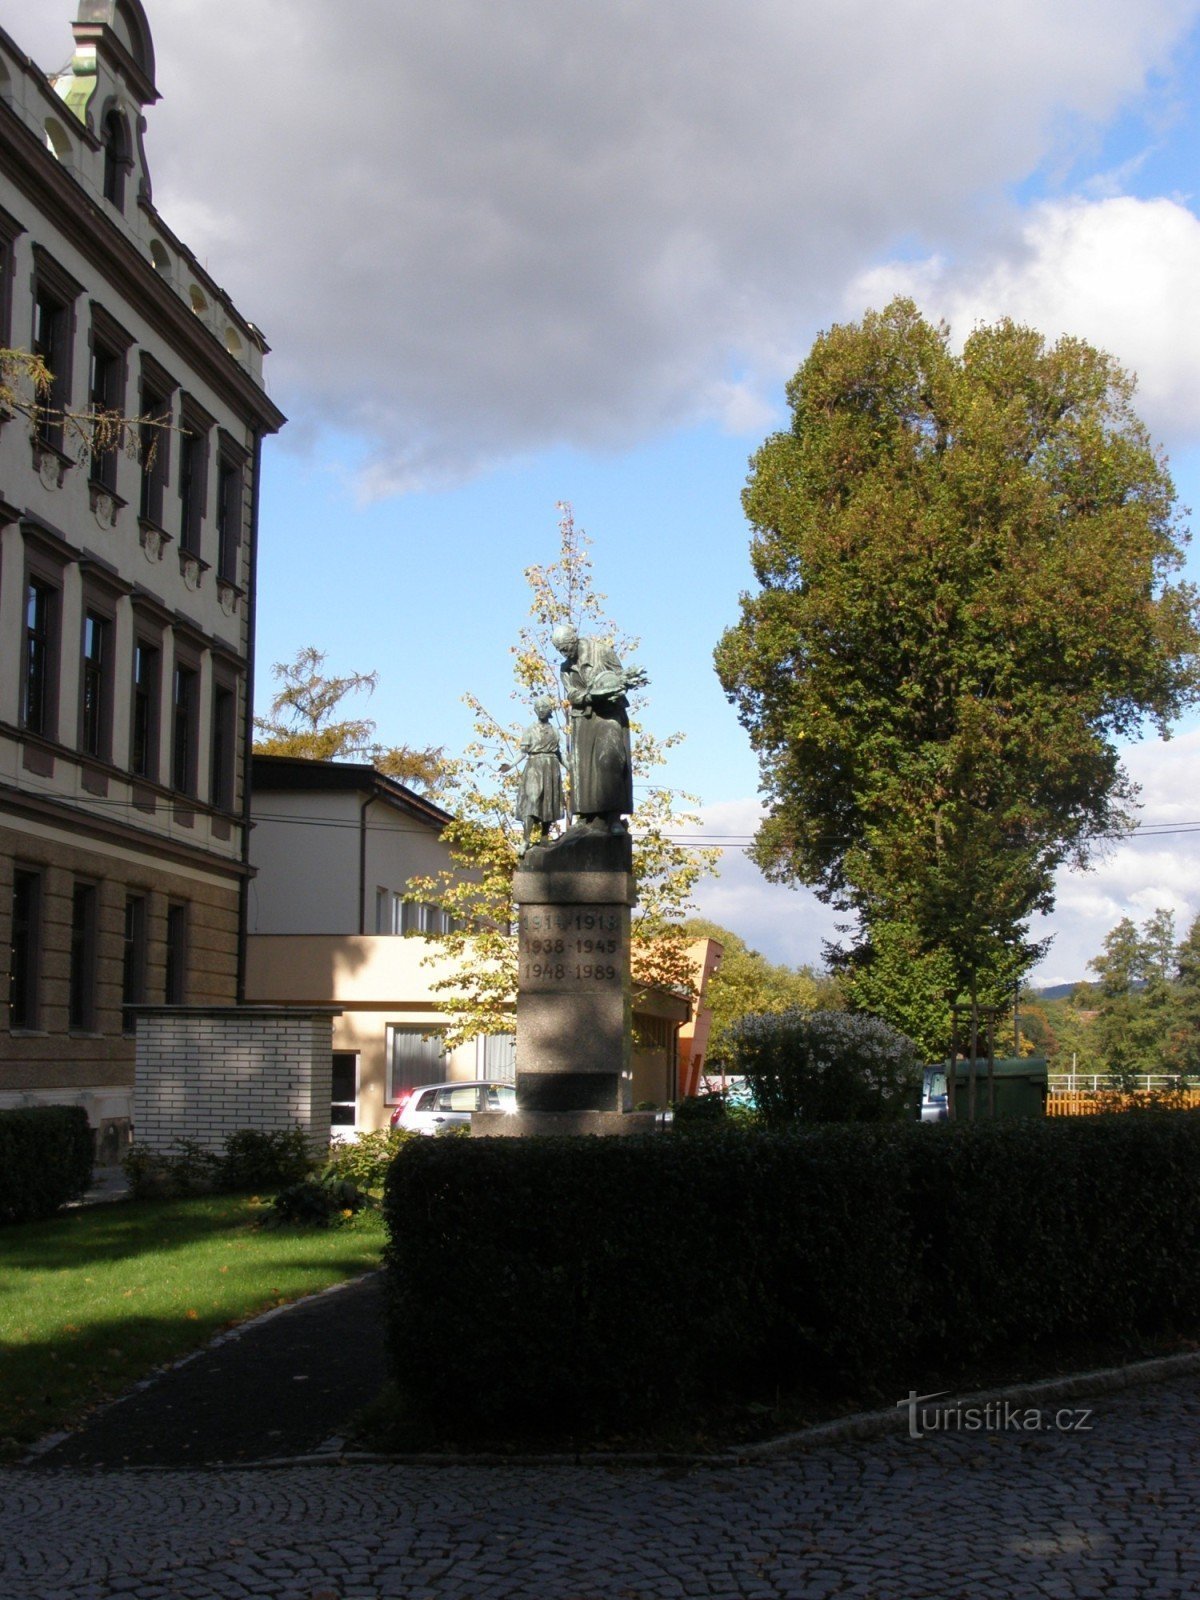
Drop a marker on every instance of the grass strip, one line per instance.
(94, 1299)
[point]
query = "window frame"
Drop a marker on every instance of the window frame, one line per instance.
(336, 1126)
(195, 449)
(222, 744)
(10, 231)
(47, 645)
(108, 351)
(118, 160)
(148, 696)
(230, 510)
(184, 776)
(134, 957)
(83, 956)
(96, 681)
(177, 939)
(428, 1064)
(156, 411)
(53, 287)
(24, 959)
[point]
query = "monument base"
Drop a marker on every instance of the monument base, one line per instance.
(526, 1124)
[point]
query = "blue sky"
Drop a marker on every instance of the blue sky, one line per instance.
(513, 255)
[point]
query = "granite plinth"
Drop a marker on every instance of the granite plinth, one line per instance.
(574, 1002)
(560, 1124)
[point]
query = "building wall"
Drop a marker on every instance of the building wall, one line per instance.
(305, 853)
(313, 850)
(117, 556)
(376, 981)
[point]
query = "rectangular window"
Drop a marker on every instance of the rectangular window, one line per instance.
(133, 969)
(23, 961)
(10, 232)
(343, 1110)
(229, 518)
(496, 1057)
(144, 740)
(41, 624)
(418, 916)
(193, 480)
(82, 993)
(413, 1059)
(106, 399)
(175, 990)
(154, 450)
(184, 730)
(96, 686)
(223, 732)
(52, 343)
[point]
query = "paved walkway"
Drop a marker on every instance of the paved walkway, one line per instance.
(282, 1385)
(998, 1515)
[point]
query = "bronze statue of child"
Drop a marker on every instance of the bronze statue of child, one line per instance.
(540, 801)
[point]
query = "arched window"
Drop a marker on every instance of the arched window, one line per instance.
(116, 158)
(57, 141)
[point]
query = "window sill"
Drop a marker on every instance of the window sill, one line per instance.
(49, 461)
(154, 539)
(228, 595)
(106, 503)
(192, 568)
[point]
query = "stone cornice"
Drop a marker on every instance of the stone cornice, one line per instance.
(54, 191)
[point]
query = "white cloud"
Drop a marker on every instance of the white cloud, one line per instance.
(1120, 272)
(786, 924)
(476, 230)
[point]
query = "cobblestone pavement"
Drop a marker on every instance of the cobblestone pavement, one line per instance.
(1106, 1512)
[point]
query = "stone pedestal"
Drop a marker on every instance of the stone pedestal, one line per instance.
(574, 1010)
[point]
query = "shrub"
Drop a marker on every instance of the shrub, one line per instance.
(700, 1111)
(624, 1273)
(317, 1203)
(826, 1066)
(45, 1160)
(185, 1167)
(636, 1278)
(255, 1159)
(366, 1161)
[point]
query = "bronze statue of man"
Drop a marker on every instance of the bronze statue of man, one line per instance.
(595, 685)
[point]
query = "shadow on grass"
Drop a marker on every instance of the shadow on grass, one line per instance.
(116, 1232)
(93, 1301)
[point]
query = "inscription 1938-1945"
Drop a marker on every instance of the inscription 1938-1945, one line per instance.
(571, 946)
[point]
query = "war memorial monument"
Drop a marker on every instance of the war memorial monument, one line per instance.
(574, 894)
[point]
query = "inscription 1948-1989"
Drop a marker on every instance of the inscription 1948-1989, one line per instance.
(570, 946)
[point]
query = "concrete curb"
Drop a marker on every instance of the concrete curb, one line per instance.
(862, 1425)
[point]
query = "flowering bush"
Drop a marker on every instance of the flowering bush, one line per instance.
(825, 1066)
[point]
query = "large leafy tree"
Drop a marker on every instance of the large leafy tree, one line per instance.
(308, 719)
(966, 594)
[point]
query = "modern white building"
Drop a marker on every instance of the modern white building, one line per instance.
(126, 583)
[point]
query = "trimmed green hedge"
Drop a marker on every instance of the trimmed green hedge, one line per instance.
(592, 1283)
(45, 1160)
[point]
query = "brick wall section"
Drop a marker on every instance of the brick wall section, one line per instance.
(205, 1071)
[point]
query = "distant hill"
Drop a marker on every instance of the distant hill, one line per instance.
(1058, 991)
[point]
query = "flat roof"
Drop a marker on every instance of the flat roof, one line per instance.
(298, 775)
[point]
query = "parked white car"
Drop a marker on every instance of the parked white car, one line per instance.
(438, 1107)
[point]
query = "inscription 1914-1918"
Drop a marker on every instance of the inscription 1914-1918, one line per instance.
(570, 946)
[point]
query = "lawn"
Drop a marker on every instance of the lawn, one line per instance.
(94, 1299)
